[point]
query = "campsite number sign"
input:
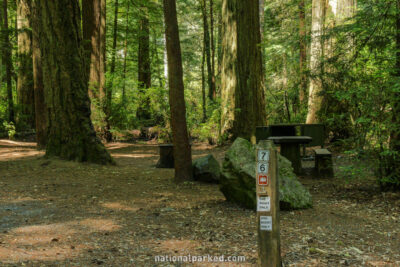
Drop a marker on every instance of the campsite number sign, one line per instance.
(267, 204)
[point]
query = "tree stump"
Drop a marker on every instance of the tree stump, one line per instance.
(323, 163)
(166, 156)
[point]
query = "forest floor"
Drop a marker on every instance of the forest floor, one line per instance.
(58, 213)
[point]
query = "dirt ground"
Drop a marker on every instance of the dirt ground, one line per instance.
(57, 213)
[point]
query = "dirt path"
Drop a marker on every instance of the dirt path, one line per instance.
(56, 213)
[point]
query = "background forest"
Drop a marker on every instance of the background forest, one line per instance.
(335, 62)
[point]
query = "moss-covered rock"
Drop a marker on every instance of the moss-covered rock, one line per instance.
(238, 179)
(206, 169)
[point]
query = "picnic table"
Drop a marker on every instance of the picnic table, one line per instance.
(290, 148)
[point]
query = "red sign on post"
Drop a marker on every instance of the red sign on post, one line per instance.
(263, 179)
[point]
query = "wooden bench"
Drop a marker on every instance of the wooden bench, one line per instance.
(323, 163)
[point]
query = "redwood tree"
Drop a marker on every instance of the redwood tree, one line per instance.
(25, 92)
(94, 33)
(182, 150)
(243, 106)
(71, 134)
(7, 59)
(40, 104)
(144, 67)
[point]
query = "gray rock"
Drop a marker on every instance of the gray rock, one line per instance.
(238, 176)
(206, 169)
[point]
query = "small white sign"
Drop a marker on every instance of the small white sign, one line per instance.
(265, 223)
(262, 167)
(264, 203)
(263, 155)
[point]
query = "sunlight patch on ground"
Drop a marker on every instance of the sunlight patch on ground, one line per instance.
(118, 155)
(119, 206)
(16, 254)
(100, 224)
(5, 142)
(50, 242)
(16, 153)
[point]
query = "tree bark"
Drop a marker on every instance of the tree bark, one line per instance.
(392, 171)
(206, 40)
(315, 97)
(182, 150)
(7, 61)
(40, 104)
(94, 32)
(203, 82)
(25, 91)
(303, 52)
(243, 106)
(125, 55)
(71, 134)
(144, 66)
(213, 80)
(113, 60)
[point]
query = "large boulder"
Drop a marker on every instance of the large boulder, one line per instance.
(238, 179)
(206, 169)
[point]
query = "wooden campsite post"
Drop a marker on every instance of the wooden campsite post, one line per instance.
(269, 249)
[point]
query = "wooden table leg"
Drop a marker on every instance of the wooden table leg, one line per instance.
(291, 151)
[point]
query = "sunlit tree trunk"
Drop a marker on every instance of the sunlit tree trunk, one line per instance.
(316, 55)
(243, 106)
(144, 66)
(71, 134)
(40, 104)
(326, 14)
(7, 60)
(94, 32)
(25, 92)
(182, 149)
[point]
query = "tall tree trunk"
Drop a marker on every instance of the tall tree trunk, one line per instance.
(40, 104)
(94, 32)
(144, 66)
(392, 170)
(25, 91)
(71, 134)
(214, 92)
(113, 60)
(243, 106)
(303, 52)
(182, 149)
(206, 34)
(203, 82)
(7, 61)
(315, 97)
(125, 55)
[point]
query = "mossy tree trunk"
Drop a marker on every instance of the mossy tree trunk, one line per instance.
(182, 149)
(144, 66)
(25, 91)
(94, 33)
(7, 59)
(243, 104)
(40, 104)
(71, 134)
